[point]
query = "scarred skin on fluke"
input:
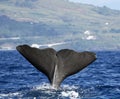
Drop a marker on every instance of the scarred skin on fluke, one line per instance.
(57, 65)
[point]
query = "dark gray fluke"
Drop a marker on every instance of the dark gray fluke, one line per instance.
(57, 65)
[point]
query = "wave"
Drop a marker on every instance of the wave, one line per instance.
(45, 90)
(10, 95)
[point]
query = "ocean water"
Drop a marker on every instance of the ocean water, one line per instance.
(20, 80)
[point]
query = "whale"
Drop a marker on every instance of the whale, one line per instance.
(56, 65)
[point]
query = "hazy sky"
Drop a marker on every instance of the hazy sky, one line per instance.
(114, 4)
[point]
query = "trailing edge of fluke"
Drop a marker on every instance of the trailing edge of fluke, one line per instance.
(57, 65)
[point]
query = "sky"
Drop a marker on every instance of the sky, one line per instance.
(113, 4)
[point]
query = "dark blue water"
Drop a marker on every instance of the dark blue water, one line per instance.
(100, 80)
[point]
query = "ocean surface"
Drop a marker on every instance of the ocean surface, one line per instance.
(20, 80)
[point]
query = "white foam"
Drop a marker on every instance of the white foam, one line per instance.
(69, 87)
(43, 86)
(70, 94)
(9, 94)
(66, 91)
(34, 98)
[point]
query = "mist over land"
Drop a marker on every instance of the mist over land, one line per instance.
(82, 27)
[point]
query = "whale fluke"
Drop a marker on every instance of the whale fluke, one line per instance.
(56, 65)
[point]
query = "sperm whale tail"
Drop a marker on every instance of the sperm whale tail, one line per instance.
(56, 65)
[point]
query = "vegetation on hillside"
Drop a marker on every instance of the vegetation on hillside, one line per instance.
(46, 21)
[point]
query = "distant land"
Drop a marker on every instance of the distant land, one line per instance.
(58, 22)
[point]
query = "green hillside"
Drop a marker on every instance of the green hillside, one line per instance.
(85, 27)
